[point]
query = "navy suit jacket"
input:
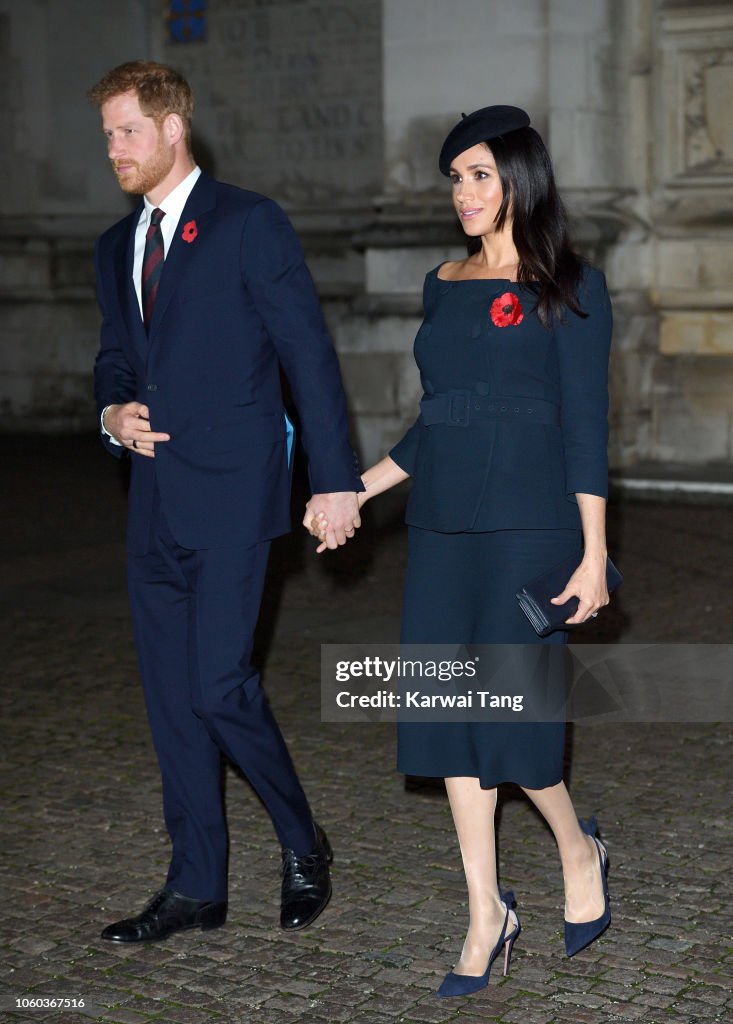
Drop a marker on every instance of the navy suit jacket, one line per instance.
(233, 304)
(513, 420)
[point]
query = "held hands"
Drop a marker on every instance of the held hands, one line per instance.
(322, 510)
(130, 425)
(588, 584)
(332, 518)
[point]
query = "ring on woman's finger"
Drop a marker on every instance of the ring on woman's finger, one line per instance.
(594, 615)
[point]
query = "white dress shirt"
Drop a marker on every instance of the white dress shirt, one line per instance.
(172, 206)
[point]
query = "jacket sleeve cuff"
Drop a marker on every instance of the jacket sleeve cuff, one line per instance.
(404, 453)
(328, 477)
(590, 480)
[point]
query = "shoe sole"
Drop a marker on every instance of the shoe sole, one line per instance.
(209, 921)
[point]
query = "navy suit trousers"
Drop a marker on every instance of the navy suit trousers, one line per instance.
(194, 613)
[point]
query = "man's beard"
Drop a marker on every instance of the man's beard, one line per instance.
(146, 176)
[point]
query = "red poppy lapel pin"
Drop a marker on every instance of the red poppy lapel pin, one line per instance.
(506, 310)
(190, 231)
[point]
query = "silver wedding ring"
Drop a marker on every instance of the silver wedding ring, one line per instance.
(594, 615)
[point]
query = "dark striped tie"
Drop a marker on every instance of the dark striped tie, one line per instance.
(153, 259)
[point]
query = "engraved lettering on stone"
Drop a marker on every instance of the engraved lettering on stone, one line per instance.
(289, 96)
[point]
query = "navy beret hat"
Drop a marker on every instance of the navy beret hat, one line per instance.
(480, 126)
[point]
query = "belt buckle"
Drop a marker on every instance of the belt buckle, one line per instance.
(459, 408)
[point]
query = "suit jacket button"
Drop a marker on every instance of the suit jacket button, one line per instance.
(152, 387)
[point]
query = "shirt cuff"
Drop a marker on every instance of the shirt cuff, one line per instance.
(105, 432)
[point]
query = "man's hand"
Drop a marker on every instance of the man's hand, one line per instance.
(130, 425)
(339, 512)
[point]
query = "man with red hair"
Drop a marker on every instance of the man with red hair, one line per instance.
(205, 294)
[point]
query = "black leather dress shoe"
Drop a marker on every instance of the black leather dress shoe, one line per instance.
(306, 885)
(167, 912)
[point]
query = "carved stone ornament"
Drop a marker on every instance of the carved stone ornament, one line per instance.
(708, 95)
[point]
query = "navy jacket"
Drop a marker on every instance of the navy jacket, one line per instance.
(514, 416)
(232, 304)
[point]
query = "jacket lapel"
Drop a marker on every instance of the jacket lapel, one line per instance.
(199, 204)
(129, 305)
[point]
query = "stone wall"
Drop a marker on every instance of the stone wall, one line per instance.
(337, 108)
(691, 210)
(288, 97)
(57, 195)
(632, 97)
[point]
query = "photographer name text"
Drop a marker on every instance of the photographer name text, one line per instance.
(387, 699)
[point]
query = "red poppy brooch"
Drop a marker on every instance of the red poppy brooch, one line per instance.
(189, 231)
(506, 311)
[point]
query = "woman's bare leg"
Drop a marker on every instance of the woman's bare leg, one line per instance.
(578, 853)
(473, 813)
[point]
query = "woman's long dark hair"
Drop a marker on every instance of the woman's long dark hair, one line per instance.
(539, 223)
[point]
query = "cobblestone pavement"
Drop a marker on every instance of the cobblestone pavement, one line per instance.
(83, 843)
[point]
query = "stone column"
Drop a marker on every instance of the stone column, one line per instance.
(692, 210)
(597, 95)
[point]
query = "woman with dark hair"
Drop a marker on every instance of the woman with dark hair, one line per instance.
(509, 467)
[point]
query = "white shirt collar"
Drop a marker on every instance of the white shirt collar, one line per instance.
(174, 202)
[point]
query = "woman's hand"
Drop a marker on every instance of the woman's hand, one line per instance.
(317, 526)
(588, 584)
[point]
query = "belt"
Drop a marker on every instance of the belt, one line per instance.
(459, 408)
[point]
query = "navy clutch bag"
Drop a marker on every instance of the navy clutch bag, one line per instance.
(534, 597)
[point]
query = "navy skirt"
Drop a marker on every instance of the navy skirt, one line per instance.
(460, 588)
